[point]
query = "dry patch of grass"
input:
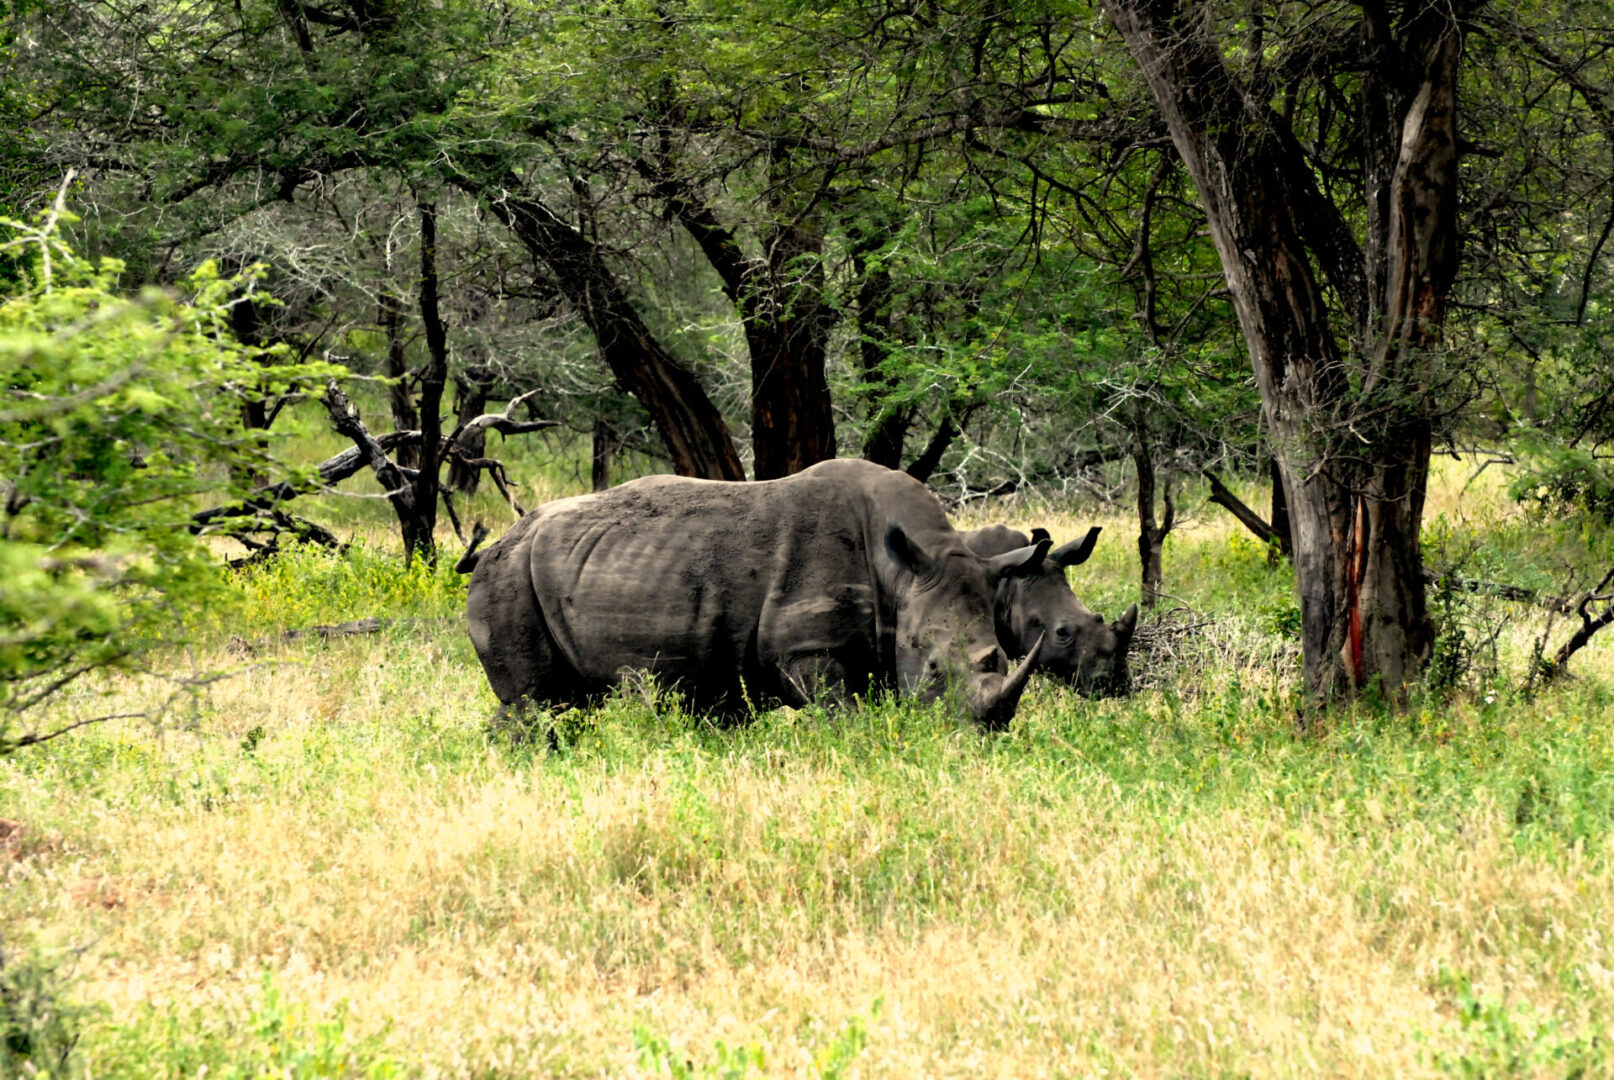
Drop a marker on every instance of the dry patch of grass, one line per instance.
(333, 870)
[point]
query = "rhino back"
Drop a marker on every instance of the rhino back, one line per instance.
(711, 583)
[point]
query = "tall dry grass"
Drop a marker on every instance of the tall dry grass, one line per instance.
(1172, 885)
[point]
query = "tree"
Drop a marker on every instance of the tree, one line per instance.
(1354, 423)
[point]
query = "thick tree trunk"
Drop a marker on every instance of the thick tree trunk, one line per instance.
(787, 325)
(780, 299)
(405, 417)
(691, 428)
(1354, 458)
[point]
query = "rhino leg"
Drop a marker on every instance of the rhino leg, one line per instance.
(814, 677)
(523, 664)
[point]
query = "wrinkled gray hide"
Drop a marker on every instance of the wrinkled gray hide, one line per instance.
(1080, 647)
(842, 577)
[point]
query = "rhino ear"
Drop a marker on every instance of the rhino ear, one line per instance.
(1039, 534)
(904, 552)
(1021, 562)
(1076, 552)
(1127, 623)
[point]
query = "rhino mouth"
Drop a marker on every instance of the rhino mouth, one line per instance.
(997, 697)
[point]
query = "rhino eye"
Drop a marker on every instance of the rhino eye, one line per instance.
(1063, 634)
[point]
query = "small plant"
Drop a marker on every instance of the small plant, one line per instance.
(1494, 1039)
(250, 741)
(277, 1039)
(39, 1029)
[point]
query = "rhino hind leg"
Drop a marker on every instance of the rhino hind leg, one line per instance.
(524, 666)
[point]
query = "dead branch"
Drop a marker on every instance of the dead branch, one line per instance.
(1589, 625)
(1221, 496)
(343, 629)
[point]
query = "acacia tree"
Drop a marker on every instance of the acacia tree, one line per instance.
(1353, 421)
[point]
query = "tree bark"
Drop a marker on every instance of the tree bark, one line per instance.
(1354, 458)
(691, 428)
(420, 531)
(1151, 535)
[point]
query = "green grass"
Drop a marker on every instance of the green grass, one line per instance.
(331, 869)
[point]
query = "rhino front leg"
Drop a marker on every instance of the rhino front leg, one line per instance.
(815, 677)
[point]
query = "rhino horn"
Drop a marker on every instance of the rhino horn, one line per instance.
(1076, 552)
(995, 707)
(1020, 562)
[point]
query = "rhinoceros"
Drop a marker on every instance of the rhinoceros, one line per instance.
(1080, 647)
(843, 577)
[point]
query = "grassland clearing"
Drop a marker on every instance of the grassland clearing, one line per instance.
(329, 868)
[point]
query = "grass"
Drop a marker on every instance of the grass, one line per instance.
(330, 870)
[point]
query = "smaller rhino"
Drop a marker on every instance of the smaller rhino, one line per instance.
(1080, 647)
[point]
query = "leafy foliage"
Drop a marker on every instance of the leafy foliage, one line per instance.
(116, 414)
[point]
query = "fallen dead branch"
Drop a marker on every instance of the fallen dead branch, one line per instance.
(240, 646)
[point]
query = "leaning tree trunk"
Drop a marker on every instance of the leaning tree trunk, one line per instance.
(1354, 458)
(1281, 529)
(693, 431)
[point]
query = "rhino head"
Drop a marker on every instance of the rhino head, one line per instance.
(945, 633)
(1038, 606)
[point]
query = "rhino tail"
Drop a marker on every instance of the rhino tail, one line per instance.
(468, 561)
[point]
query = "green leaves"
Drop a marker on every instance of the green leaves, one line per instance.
(116, 414)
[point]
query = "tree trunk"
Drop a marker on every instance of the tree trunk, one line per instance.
(1151, 536)
(787, 327)
(604, 447)
(405, 417)
(246, 324)
(780, 299)
(888, 426)
(925, 464)
(420, 532)
(471, 389)
(1352, 441)
(691, 428)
